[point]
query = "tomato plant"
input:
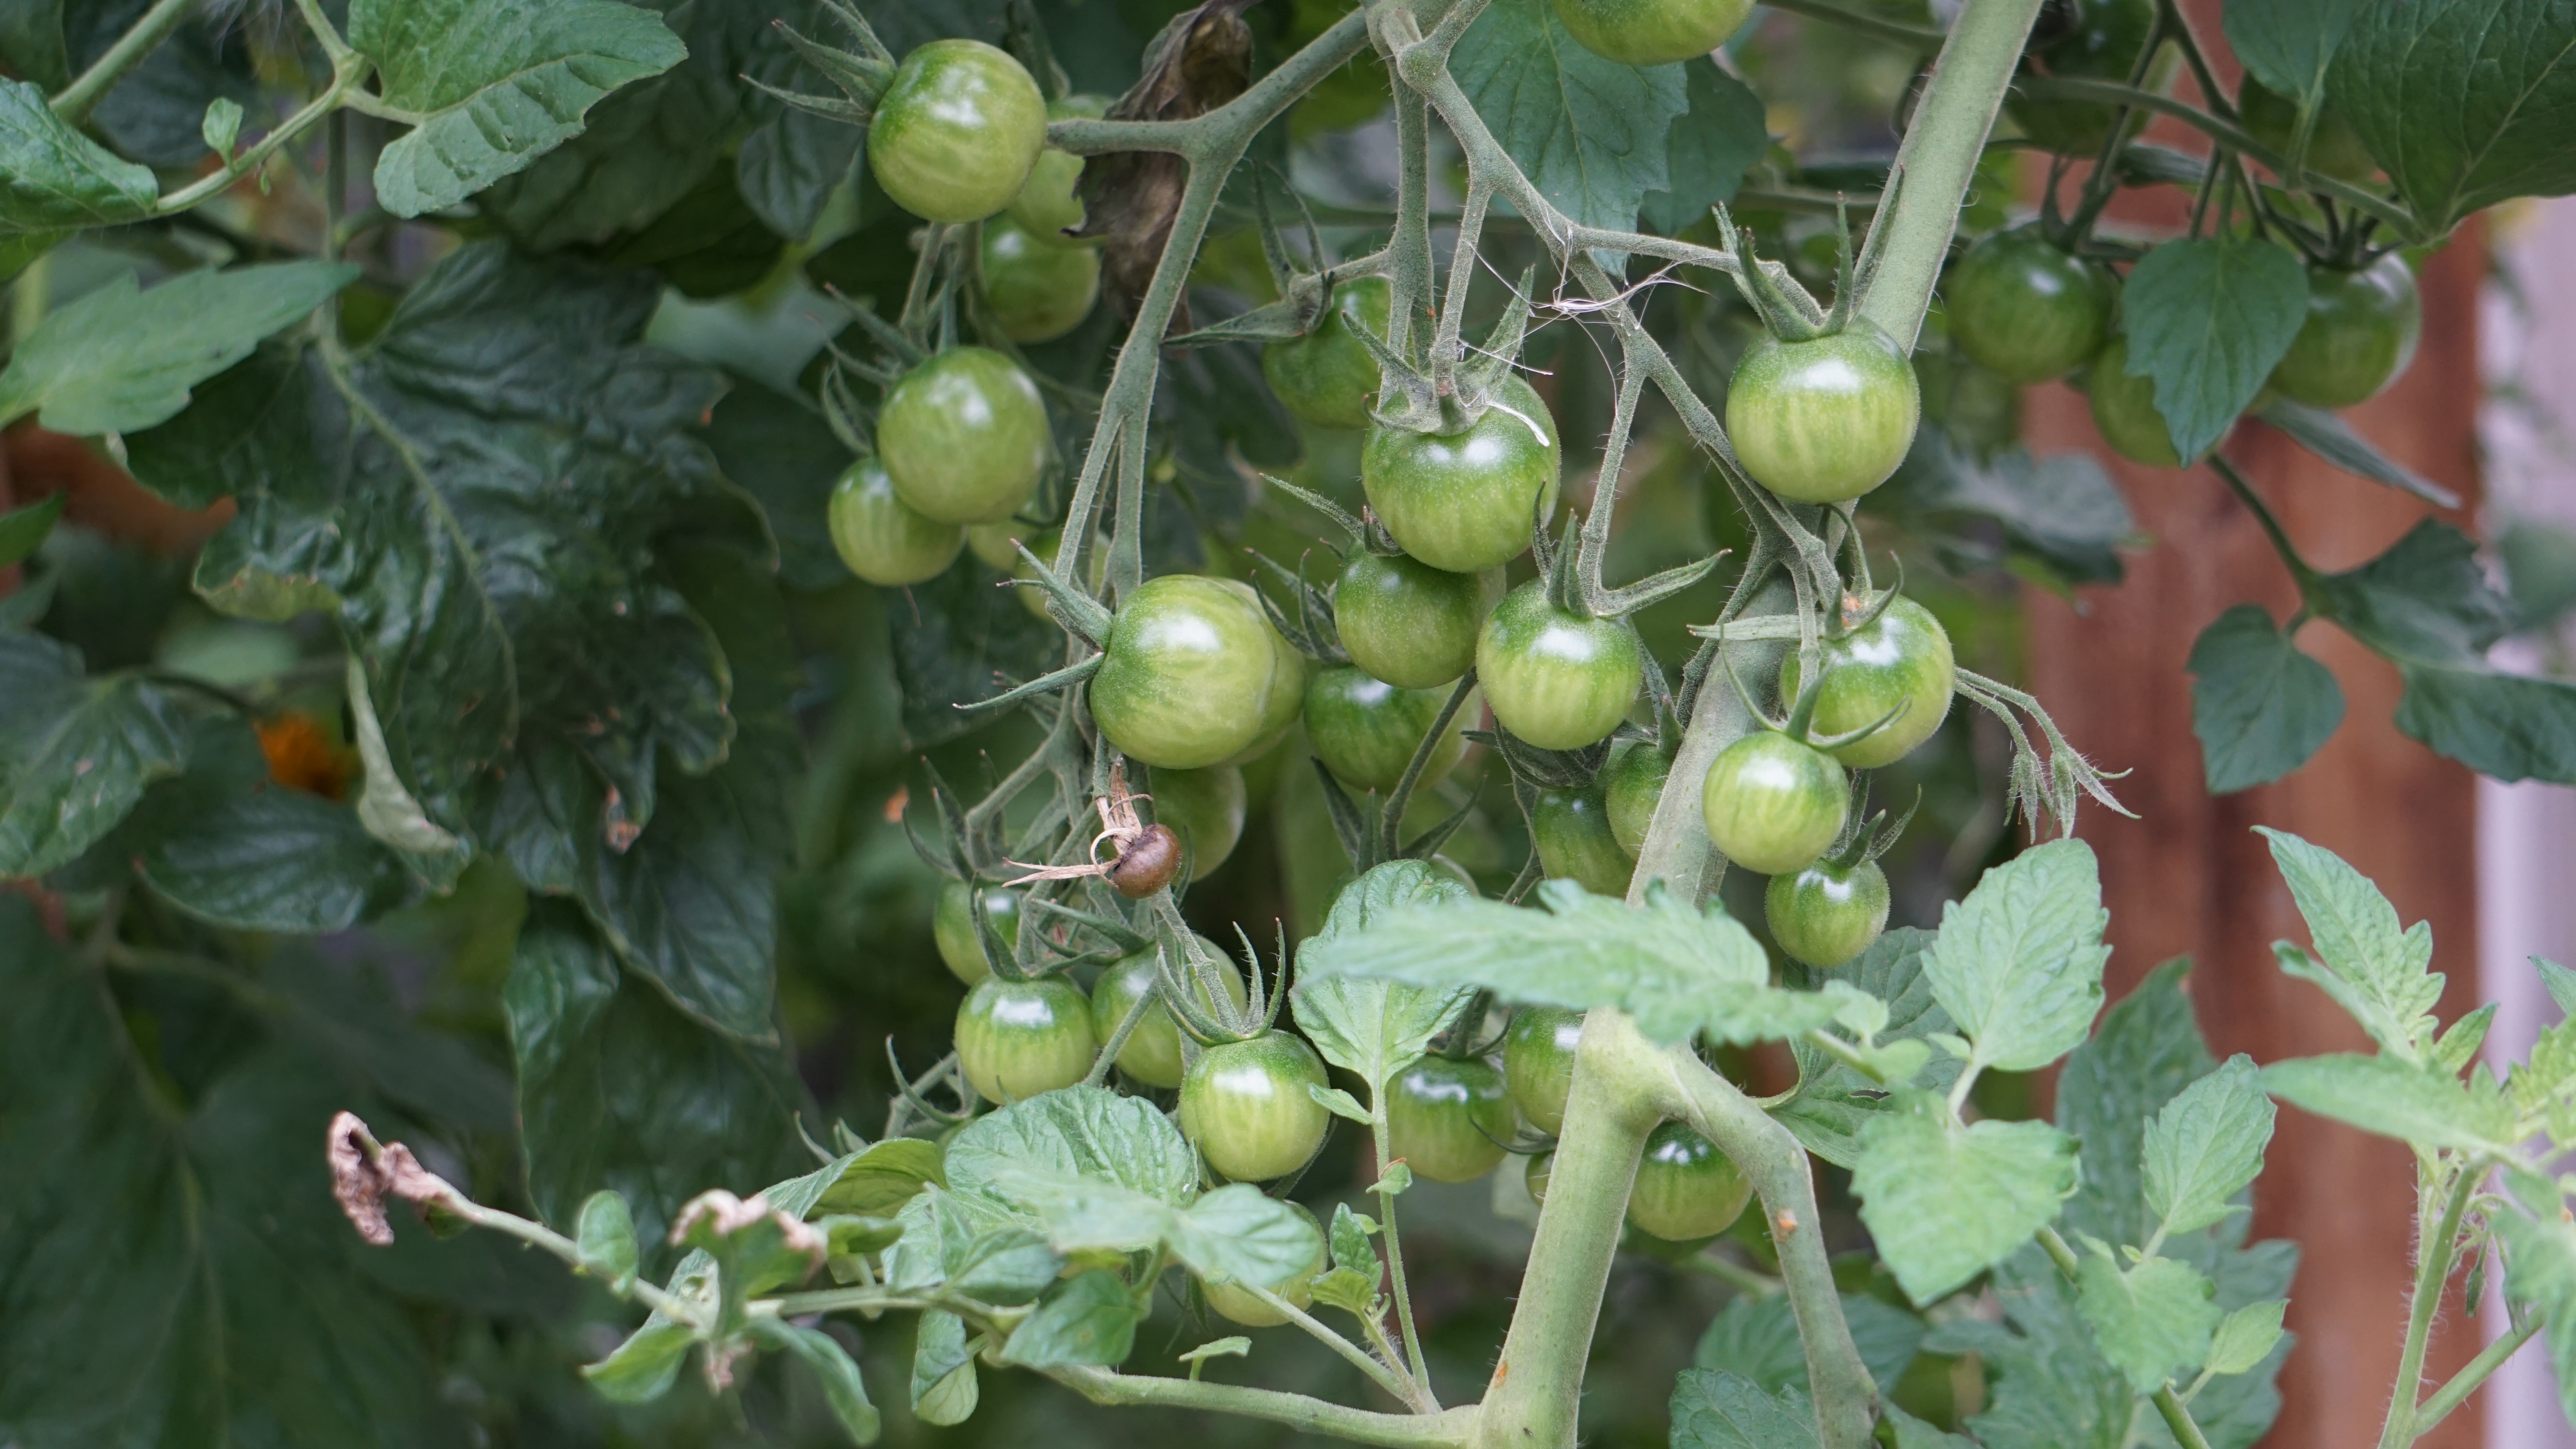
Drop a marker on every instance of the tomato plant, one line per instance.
(1686, 1188)
(1572, 833)
(1187, 674)
(953, 927)
(1824, 419)
(1017, 1039)
(1466, 500)
(2359, 334)
(1538, 1063)
(1366, 731)
(1826, 914)
(1205, 808)
(1153, 1053)
(1246, 1107)
(2023, 307)
(879, 535)
(1651, 32)
(1631, 789)
(1897, 667)
(1039, 289)
(2124, 409)
(1048, 204)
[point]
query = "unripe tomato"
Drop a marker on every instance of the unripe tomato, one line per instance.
(1366, 731)
(1824, 915)
(1234, 1302)
(1652, 32)
(879, 535)
(1288, 673)
(1449, 1120)
(1043, 545)
(2359, 334)
(1901, 657)
(2334, 147)
(1186, 677)
(2092, 40)
(1686, 1189)
(1153, 1051)
(965, 436)
(952, 927)
(2025, 308)
(1772, 803)
(1538, 1063)
(1039, 290)
(956, 131)
(1552, 677)
(1327, 377)
(1823, 420)
(1467, 501)
(1408, 623)
(995, 543)
(1205, 808)
(1049, 204)
(2124, 409)
(1571, 829)
(1631, 788)
(1246, 1105)
(1016, 1039)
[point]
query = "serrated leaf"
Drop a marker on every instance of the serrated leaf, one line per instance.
(1371, 1028)
(2496, 72)
(2328, 436)
(2540, 1272)
(2151, 1320)
(1351, 1247)
(944, 1386)
(2287, 44)
(2370, 967)
(843, 1389)
(1237, 1232)
(1090, 1318)
(1913, 1433)
(2260, 706)
(1716, 1410)
(2018, 964)
(1710, 147)
(1338, 1102)
(121, 359)
(2246, 1336)
(2558, 981)
(1944, 1203)
(2206, 1146)
(2208, 318)
(1589, 133)
(76, 754)
(53, 178)
(1833, 1100)
(1679, 972)
(493, 84)
(1088, 1132)
(2395, 1098)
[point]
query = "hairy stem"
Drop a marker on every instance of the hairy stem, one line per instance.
(1360, 1426)
(1359, 1358)
(2435, 1245)
(2434, 1410)
(1677, 850)
(1417, 1367)
(84, 93)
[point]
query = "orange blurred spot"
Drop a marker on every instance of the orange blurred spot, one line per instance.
(895, 802)
(302, 755)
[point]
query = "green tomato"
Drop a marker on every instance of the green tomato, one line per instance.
(1449, 1120)
(1686, 1189)
(1366, 731)
(1016, 1039)
(2124, 409)
(1652, 32)
(1825, 915)
(1538, 1063)
(1204, 808)
(965, 436)
(1467, 501)
(1247, 1107)
(1187, 675)
(2334, 147)
(1327, 377)
(2092, 40)
(1039, 290)
(1043, 544)
(1288, 672)
(1823, 420)
(2359, 334)
(1552, 677)
(1631, 788)
(1902, 657)
(1153, 1051)
(1049, 204)
(879, 535)
(956, 131)
(1408, 623)
(1773, 804)
(997, 543)
(2026, 309)
(1575, 842)
(952, 927)
(1234, 1302)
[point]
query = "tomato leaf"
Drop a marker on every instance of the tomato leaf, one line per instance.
(2151, 1319)
(2328, 436)
(2504, 726)
(1710, 147)
(2148, 1049)
(2018, 964)
(779, 449)
(2206, 1147)
(2208, 318)
(2260, 706)
(1757, 1338)
(2287, 44)
(944, 1386)
(76, 754)
(119, 359)
(875, 1180)
(1088, 1132)
(2060, 516)
(1590, 134)
(24, 530)
(955, 639)
(1832, 1099)
(274, 860)
(53, 178)
(2497, 74)
(1090, 1318)
(490, 85)
(2540, 1271)
(2246, 1336)
(1712, 1409)
(1944, 1202)
(2399, 1099)
(1372, 1028)
(1913, 1433)
(2375, 971)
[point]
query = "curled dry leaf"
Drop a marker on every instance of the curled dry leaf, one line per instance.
(1199, 61)
(364, 1172)
(725, 1215)
(1143, 858)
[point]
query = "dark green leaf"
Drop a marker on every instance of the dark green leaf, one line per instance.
(1710, 147)
(493, 84)
(2373, 969)
(2287, 43)
(843, 1389)
(2540, 571)
(2426, 600)
(606, 1233)
(75, 754)
(1944, 1203)
(2540, 1270)
(2260, 707)
(957, 639)
(53, 178)
(1757, 1338)
(1833, 1100)
(643, 1367)
(32, 42)
(274, 860)
(2148, 1049)
(22, 530)
(119, 359)
(1589, 133)
(875, 1180)
(2061, 514)
(157, 113)
(2208, 318)
(1713, 1410)
(2329, 437)
(2496, 74)
(1080, 1132)
(781, 452)
(2052, 1388)
(2507, 727)
(1090, 1318)
(2018, 964)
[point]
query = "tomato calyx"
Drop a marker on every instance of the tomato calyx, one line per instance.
(862, 77)
(1449, 396)
(1798, 722)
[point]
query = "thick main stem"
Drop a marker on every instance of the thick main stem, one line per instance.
(1678, 851)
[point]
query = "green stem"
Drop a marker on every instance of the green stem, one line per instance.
(1361, 1426)
(1915, 37)
(1417, 1367)
(2169, 1405)
(2433, 1257)
(2450, 1396)
(1937, 160)
(83, 94)
(2300, 570)
(353, 73)
(1359, 1358)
